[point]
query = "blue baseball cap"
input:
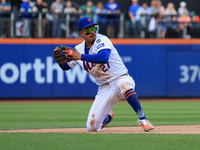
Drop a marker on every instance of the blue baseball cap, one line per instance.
(85, 22)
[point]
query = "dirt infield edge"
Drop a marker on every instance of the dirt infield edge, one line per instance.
(175, 129)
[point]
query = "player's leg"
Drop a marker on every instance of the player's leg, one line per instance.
(103, 103)
(133, 100)
(128, 85)
(108, 118)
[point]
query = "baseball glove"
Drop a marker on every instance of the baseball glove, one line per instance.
(63, 54)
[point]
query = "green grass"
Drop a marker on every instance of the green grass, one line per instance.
(64, 115)
(61, 141)
(43, 115)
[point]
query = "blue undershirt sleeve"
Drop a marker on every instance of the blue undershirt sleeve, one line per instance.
(65, 66)
(101, 57)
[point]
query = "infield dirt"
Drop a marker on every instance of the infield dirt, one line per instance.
(177, 129)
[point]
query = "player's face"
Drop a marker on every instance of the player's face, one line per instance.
(89, 33)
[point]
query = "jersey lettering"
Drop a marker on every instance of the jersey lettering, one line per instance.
(88, 66)
(103, 67)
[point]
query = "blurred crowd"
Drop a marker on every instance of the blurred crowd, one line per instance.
(156, 18)
(153, 21)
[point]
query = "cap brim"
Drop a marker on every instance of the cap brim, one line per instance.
(89, 25)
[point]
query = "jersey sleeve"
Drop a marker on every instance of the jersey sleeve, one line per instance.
(73, 64)
(103, 43)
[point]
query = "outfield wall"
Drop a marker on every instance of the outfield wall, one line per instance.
(161, 68)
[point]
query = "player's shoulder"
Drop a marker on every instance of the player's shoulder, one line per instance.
(101, 38)
(81, 45)
(102, 42)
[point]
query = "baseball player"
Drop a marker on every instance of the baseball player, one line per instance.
(97, 55)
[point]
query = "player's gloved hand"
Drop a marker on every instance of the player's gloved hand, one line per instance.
(63, 54)
(72, 54)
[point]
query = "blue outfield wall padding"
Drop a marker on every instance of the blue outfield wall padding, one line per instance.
(159, 70)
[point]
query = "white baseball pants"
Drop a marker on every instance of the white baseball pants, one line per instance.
(105, 99)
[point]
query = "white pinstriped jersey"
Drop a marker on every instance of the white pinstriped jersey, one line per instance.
(103, 73)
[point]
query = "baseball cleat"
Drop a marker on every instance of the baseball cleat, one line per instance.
(147, 126)
(108, 119)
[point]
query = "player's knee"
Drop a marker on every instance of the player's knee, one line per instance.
(93, 128)
(90, 129)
